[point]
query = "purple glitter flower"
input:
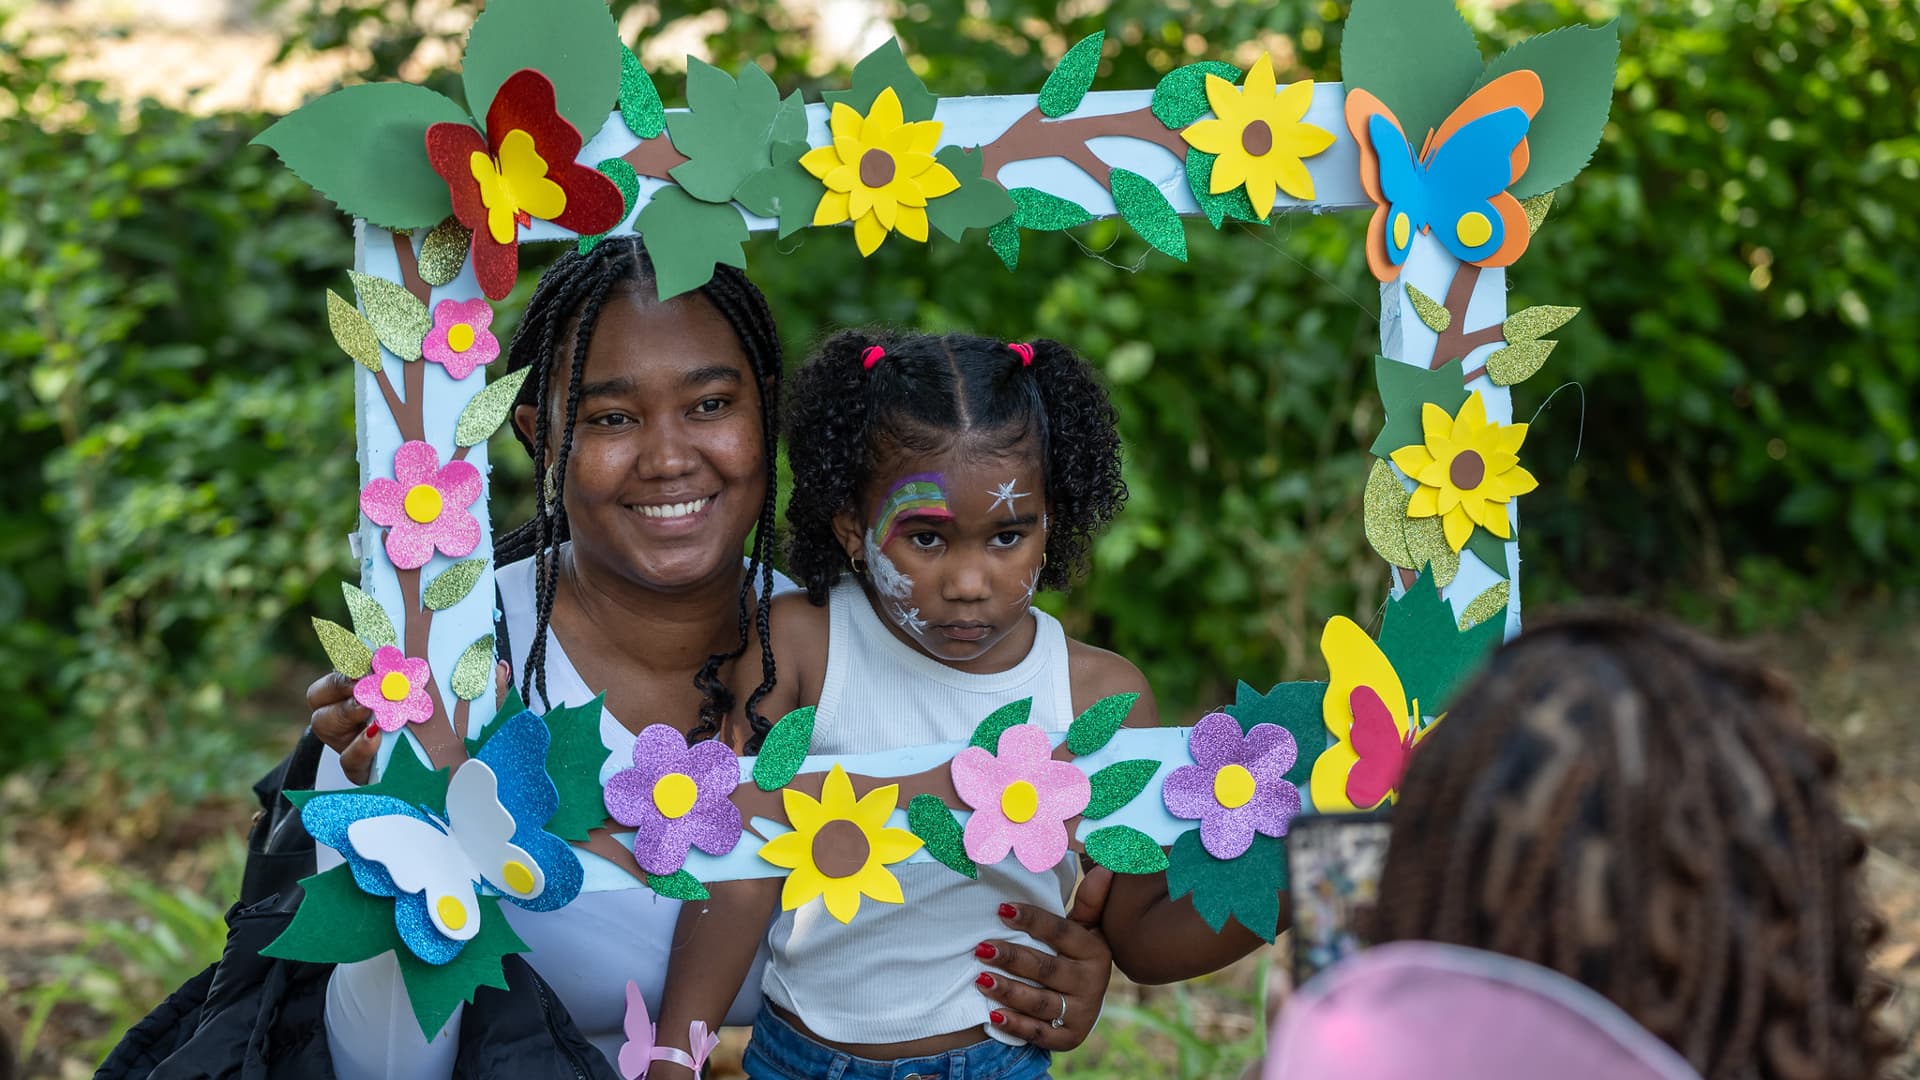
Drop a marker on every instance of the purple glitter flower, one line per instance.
(1239, 786)
(676, 796)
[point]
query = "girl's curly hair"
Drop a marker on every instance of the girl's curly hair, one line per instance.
(927, 391)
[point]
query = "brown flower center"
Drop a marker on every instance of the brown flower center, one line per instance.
(840, 848)
(1467, 470)
(1256, 138)
(876, 168)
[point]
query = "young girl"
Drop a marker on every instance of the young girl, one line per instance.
(939, 483)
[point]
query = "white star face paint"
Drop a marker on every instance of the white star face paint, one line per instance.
(1033, 586)
(1005, 495)
(908, 618)
(888, 579)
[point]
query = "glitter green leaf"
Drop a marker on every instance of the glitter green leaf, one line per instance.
(473, 672)
(1012, 714)
(1181, 96)
(444, 252)
(1092, 729)
(352, 332)
(370, 621)
(678, 885)
(640, 105)
(934, 824)
(453, 584)
(1145, 208)
(1117, 785)
(399, 319)
(783, 750)
(1125, 850)
(348, 654)
(1072, 77)
(488, 409)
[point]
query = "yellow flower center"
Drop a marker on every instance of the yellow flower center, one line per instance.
(877, 168)
(1474, 229)
(517, 876)
(460, 337)
(1257, 138)
(1019, 802)
(423, 503)
(1467, 470)
(1233, 786)
(453, 914)
(1402, 230)
(395, 686)
(673, 794)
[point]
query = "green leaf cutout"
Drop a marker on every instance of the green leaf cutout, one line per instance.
(1125, 850)
(1575, 65)
(1072, 77)
(1431, 311)
(352, 332)
(1530, 324)
(787, 192)
(453, 584)
(1232, 203)
(978, 203)
(1295, 706)
(348, 654)
(1092, 729)
(1012, 714)
(573, 762)
(640, 105)
(336, 923)
(1536, 209)
(1419, 57)
(783, 750)
(1404, 391)
(488, 409)
(436, 990)
(399, 319)
(1145, 208)
(444, 251)
(1517, 363)
(404, 777)
(934, 824)
(727, 132)
(1116, 785)
(1044, 212)
(1488, 605)
(365, 149)
(1181, 96)
(574, 43)
(883, 67)
(473, 672)
(1405, 542)
(370, 620)
(1245, 889)
(628, 181)
(1423, 641)
(1004, 239)
(678, 885)
(1490, 549)
(687, 238)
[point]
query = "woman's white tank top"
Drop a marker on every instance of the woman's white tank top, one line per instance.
(901, 972)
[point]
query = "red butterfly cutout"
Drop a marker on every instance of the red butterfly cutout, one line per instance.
(1382, 750)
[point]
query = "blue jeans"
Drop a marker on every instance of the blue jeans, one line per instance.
(778, 1052)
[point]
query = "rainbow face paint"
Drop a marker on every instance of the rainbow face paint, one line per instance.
(919, 495)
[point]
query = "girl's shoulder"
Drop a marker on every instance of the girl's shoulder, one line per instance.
(1097, 673)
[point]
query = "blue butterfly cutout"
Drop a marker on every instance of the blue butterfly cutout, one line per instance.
(1454, 190)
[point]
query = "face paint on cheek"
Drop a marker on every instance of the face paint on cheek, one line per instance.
(1033, 586)
(888, 579)
(908, 619)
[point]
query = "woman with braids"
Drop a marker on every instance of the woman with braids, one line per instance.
(938, 483)
(1625, 803)
(653, 425)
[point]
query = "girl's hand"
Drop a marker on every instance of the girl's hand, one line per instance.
(344, 725)
(1075, 978)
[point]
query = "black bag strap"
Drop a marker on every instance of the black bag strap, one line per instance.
(279, 851)
(502, 644)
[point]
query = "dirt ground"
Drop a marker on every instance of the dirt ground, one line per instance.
(69, 985)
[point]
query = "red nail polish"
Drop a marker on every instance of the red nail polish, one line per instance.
(985, 951)
(997, 1016)
(984, 981)
(1008, 911)
(371, 730)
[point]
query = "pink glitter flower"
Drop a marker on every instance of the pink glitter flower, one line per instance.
(424, 507)
(396, 690)
(460, 340)
(1021, 799)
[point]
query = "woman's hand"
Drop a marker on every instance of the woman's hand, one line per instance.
(344, 725)
(1075, 977)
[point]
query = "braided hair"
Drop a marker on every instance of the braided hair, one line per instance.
(568, 299)
(1642, 810)
(926, 391)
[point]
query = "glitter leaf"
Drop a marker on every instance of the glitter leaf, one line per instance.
(399, 319)
(1385, 515)
(1536, 210)
(783, 750)
(370, 621)
(1072, 77)
(678, 885)
(453, 584)
(1181, 96)
(1044, 212)
(348, 654)
(1012, 714)
(1487, 605)
(1092, 729)
(473, 672)
(488, 409)
(1431, 311)
(1532, 323)
(1516, 363)
(1004, 239)
(352, 332)
(1427, 544)
(444, 252)
(1145, 208)
(1117, 785)
(1228, 204)
(934, 824)
(640, 104)
(628, 181)
(1125, 850)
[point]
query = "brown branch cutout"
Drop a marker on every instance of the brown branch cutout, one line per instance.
(1455, 343)
(1033, 137)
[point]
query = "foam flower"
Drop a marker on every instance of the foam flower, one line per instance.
(425, 506)
(395, 690)
(1021, 799)
(1374, 727)
(1237, 785)
(1468, 470)
(675, 797)
(879, 172)
(522, 169)
(1259, 136)
(460, 339)
(840, 847)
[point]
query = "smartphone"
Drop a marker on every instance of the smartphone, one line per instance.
(1333, 868)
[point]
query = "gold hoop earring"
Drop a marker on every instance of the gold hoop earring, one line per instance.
(859, 567)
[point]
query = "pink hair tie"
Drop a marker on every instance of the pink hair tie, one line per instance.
(1024, 351)
(873, 355)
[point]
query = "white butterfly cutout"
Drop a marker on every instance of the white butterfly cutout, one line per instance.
(448, 864)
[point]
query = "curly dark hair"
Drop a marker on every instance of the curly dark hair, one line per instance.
(1627, 803)
(929, 389)
(557, 327)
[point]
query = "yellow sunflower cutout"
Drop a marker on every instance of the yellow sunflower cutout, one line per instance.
(879, 172)
(1259, 137)
(1467, 470)
(840, 847)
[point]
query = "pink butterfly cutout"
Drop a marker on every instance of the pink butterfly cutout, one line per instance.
(639, 1052)
(1382, 750)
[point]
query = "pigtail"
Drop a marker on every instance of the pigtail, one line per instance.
(829, 410)
(1085, 488)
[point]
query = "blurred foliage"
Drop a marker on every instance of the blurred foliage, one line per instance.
(1741, 446)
